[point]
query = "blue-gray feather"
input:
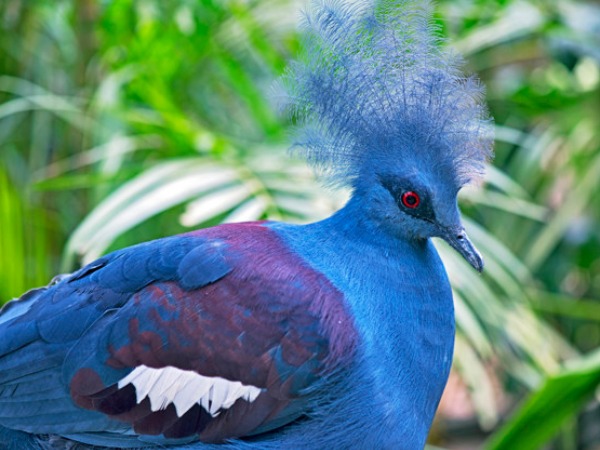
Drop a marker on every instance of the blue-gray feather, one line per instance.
(375, 85)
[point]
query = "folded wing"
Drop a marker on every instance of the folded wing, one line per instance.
(210, 335)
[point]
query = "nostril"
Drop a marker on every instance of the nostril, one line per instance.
(460, 237)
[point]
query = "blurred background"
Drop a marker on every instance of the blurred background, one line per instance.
(124, 121)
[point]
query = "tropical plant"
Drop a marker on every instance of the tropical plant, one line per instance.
(126, 121)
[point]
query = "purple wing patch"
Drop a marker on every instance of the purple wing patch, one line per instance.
(246, 344)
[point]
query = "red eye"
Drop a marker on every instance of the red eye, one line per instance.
(411, 199)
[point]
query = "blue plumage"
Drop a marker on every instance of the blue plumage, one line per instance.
(337, 334)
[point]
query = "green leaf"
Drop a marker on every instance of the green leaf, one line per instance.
(520, 20)
(575, 203)
(156, 190)
(543, 414)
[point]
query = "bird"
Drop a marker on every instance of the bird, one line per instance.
(270, 335)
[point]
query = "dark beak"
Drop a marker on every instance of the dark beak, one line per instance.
(458, 240)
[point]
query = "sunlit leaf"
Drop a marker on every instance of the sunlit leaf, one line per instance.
(156, 190)
(214, 204)
(541, 416)
(520, 19)
(249, 211)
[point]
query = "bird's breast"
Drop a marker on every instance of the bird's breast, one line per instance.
(404, 314)
(401, 304)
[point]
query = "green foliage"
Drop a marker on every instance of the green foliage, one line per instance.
(126, 121)
(559, 398)
(543, 76)
(23, 243)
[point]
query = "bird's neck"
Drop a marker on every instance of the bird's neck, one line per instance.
(358, 222)
(400, 298)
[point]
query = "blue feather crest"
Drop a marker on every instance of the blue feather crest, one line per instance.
(374, 88)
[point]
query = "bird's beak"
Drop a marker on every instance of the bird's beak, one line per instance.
(459, 241)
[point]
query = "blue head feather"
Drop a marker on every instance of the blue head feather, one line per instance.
(376, 89)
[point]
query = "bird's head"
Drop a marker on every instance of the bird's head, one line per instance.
(418, 204)
(386, 111)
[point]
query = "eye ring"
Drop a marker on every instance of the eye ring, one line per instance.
(411, 200)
